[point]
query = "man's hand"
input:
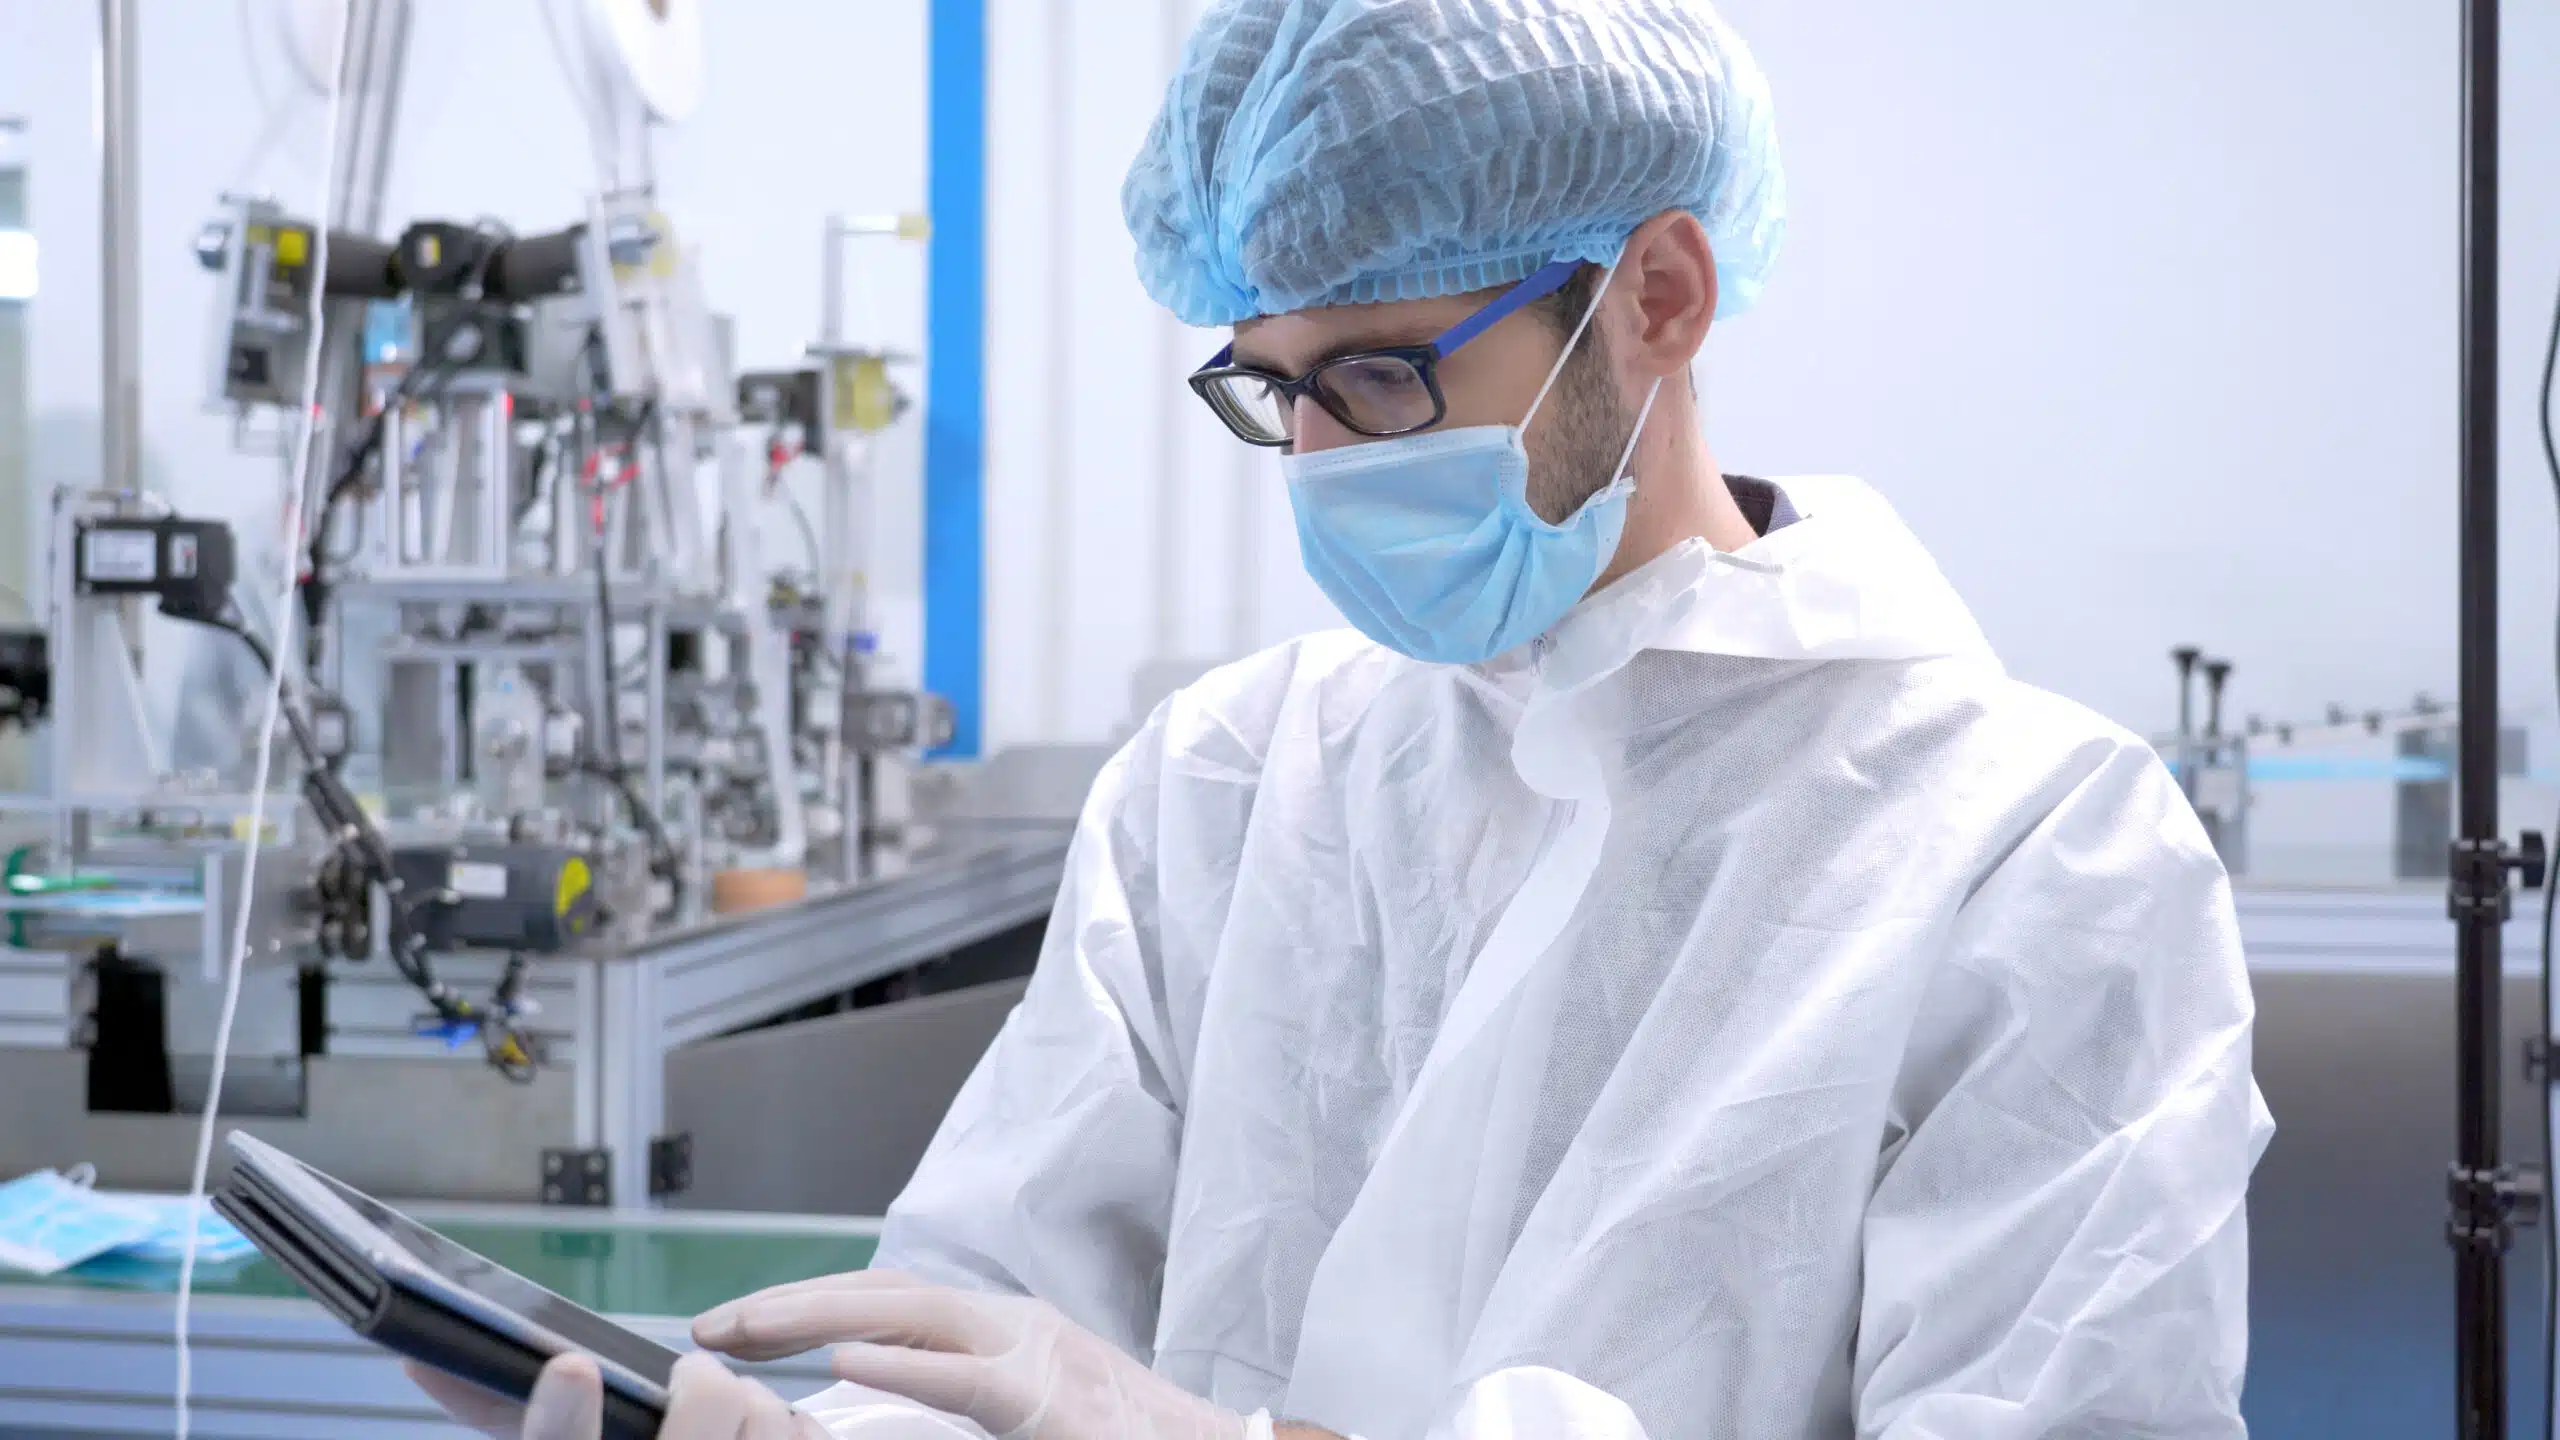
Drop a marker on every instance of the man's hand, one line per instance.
(1017, 1367)
(704, 1402)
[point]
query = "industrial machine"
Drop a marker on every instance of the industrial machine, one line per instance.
(546, 681)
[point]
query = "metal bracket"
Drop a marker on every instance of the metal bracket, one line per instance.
(884, 721)
(2488, 1205)
(2537, 1058)
(671, 1164)
(578, 1177)
(2479, 878)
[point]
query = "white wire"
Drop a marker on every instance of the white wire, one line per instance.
(279, 118)
(249, 52)
(588, 91)
(280, 646)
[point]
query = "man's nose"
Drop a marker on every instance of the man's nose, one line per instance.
(1312, 428)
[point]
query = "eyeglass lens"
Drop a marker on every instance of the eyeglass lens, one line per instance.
(1372, 394)
(1252, 407)
(1377, 394)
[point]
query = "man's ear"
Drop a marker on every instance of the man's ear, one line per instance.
(1673, 294)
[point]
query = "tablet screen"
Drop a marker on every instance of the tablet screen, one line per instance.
(503, 1287)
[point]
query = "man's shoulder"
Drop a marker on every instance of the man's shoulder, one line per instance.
(1328, 666)
(1319, 658)
(1236, 712)
(2038, 762)
(2038, 724)
(1973, 703)
(1960, 751)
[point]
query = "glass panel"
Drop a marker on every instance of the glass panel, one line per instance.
(611, 1269)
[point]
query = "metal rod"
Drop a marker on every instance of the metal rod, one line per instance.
(1172, 477)
(1057, 540)
(2479, 870)
(2186, 657)
(831, 283)
(120, 286)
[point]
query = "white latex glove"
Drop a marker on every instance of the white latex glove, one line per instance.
(704, 1402)
(1015, 1366)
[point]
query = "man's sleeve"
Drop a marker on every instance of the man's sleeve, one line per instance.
(2057, 1243)
(1052, 1175)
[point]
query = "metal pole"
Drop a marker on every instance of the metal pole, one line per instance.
(1057, 542)
(1172, 481)
(2184, 767)
(2186, 657)
(120, 288)
(369, 84)
(831, 283)
(2482, 1192)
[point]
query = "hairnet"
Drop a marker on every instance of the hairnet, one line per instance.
(1329, 152)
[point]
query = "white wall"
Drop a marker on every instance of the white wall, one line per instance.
(810, 108)
(1087, 416)
(2144, 313)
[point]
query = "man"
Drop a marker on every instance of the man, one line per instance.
(1665, 979)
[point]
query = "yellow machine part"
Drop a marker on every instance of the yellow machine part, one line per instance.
(866, 398)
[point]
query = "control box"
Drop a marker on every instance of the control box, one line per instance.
(533, 899)
(188, 564)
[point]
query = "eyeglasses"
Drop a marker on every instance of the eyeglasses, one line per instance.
(1377, 393)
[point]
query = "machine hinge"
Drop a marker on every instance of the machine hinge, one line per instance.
(578, 1177)
(671, 1164)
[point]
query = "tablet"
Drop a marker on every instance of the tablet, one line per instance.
(412, 1291)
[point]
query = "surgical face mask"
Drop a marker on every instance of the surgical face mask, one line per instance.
(218, 1241)
(1428, 543)
(50, 1222)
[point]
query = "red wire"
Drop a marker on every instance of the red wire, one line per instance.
(776, 456)
(587, 478)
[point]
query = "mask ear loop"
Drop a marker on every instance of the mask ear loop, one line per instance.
(1629, 454)
(1570, 341)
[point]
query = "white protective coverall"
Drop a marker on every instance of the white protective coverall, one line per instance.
(1747, 1014)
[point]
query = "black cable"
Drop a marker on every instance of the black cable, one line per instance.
(513, 1053)
(535, 476)
(604, 638)
(663, 858)
(314, 586)
(2542, 1023)
(662, 850)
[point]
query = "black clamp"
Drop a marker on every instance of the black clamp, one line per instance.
(2479, 875)
(2531, 862)
(2488, 1205)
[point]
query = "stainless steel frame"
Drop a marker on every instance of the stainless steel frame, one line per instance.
(98, 1363)
(385, 1099)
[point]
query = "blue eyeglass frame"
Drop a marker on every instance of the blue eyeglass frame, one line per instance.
(1542, 282)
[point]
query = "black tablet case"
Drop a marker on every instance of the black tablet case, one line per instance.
(393, 1317)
